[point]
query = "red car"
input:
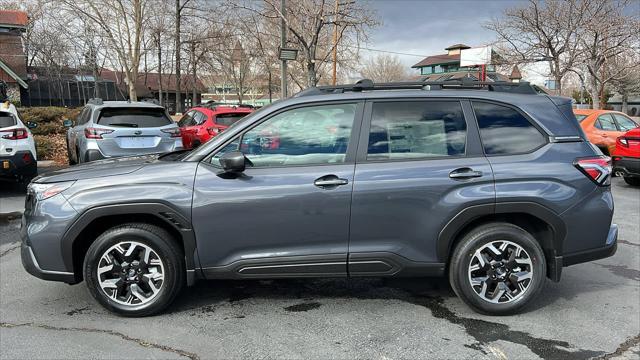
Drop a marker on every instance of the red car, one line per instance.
(626, 157)
(201, 123)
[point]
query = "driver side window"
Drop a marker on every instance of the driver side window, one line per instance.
(313, 135)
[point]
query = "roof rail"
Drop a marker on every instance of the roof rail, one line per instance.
(95, 101)
(466, 83)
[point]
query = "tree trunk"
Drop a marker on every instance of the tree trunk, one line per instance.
(311, 74)
(177, 35)
(625, 103)
(133, 95)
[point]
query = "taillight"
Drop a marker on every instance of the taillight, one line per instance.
(622, 142)
(95, 133)
(174, 132)
(16, 134)
(213, 131)
(596, 168)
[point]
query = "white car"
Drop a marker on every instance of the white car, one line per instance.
(18, 161)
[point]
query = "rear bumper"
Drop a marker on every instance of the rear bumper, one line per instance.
(609, 248)
(627, 166)
(20, 165)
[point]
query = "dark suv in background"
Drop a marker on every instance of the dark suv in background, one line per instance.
(488, 183)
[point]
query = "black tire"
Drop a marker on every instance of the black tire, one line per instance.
(463, 255)
(69, 155)
(633, 181)
(167, 250)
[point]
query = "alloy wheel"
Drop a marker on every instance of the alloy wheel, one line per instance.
(131, 273)
(500, 272)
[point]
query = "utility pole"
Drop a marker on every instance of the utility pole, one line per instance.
(283, 44)
(335, 44)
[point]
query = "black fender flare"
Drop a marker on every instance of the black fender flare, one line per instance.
(160, 210)
(449, 233)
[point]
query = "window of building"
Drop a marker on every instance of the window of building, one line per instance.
(505, 131)
(412, 129)
(438, 69)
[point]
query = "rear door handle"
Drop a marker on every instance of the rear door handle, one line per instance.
(464, 173)
(330, 181)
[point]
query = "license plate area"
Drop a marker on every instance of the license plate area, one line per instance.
(137, 142)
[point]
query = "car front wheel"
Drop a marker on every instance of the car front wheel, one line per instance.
(497, 269)
(633, 181)
(134, 269)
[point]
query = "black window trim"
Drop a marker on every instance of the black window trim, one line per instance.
(363, 145)
(546, 137)
(350, 155)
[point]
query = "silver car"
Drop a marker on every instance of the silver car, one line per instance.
(120, 128)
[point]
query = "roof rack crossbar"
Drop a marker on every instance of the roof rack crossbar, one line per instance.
(368, 85)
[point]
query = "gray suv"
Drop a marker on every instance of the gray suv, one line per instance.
(120, 128)
(490, 184)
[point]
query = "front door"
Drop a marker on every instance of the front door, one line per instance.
(419, 164)
(288, 213)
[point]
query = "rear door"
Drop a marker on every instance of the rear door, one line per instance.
(7, 125)
(419, 164)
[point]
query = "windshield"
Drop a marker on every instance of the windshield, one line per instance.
(580, 117)
(6, 120)
(229, 118)
(134, 117)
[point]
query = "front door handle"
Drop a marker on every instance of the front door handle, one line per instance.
(464, 173)
(330, 181)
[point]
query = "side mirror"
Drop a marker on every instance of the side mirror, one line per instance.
(233, 162)
(67, 123)
(31, 125)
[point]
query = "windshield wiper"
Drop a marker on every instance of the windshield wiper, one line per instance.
(124, 124)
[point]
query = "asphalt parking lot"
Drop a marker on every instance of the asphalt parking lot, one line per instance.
(594, 312)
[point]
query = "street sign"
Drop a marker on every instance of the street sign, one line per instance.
(288, 54)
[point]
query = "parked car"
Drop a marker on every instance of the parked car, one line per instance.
(106, 129)
(201, 123)
(491, 188)
(626, 157)
(603, 127)
(18, 159)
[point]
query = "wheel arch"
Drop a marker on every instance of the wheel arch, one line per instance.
(94, 221)
(542, 223)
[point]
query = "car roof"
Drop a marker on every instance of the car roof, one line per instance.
(125, 104)
(594, 111)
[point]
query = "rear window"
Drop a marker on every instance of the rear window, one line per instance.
(6, 120)
(504, 130)
(580, 117)
(229, 119)
(134, 117)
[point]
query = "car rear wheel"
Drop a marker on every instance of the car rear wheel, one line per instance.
(134, 269)
(633, 181)
(497, 269)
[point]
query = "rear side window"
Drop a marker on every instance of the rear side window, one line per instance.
(605, 122)
(229, 119)
(416, 129)
(6, 120)
(134, 117)
(504, 130)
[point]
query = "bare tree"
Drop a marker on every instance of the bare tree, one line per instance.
(603, 42)
(543, 32)
(628, 83)
(384, 68)
(122, 24)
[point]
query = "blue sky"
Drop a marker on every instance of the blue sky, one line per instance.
(426, 27)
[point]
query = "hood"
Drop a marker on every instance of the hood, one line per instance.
(97, 169)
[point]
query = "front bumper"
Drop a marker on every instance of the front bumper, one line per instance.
(21, 165)
(30, 264)
(627, 166)
(609, 248)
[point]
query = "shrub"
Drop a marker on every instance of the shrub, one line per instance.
(49, 119)
(51, 147)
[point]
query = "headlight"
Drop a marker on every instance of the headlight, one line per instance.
(45, 191)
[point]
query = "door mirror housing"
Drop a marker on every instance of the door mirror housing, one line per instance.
(31, 125)
(233, 162)
(67, 123)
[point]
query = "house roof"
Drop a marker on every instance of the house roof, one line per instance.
(438, 59)
(515, 73)
(457, 75)
(458, 46)
(13, 19)
(150, 82)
